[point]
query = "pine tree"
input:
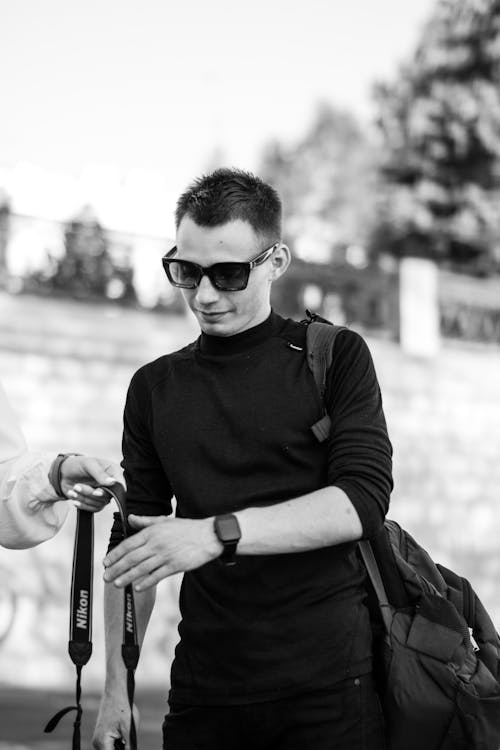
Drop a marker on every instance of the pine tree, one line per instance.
(440, 123)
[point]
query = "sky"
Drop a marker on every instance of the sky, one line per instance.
(157, 91)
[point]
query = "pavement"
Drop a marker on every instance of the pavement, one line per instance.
(24, 713)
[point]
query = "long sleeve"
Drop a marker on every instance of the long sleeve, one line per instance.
(30, 511)
(148, 489)
(360, 453)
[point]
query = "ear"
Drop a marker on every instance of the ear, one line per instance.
(280, 260)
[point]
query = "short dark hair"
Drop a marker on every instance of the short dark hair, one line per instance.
(228, 194)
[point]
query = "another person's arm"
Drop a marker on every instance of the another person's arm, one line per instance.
(31, 510)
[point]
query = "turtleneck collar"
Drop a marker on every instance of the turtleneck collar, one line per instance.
(240, 342)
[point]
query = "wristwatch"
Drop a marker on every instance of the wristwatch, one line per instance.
(228, 532)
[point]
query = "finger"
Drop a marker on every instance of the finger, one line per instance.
(128, 561)
(141, 522)
(96, 469)
(88, 498)
(112, 473)
(122, 549)
(84, 491)
(154, 578)
(128, 570)
(114, 470)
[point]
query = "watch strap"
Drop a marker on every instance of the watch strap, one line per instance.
(229, 553)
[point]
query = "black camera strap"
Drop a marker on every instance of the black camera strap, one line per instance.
(80, 629)
(130, 646)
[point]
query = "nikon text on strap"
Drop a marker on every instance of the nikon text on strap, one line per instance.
(80, 635)
(130, 646)
(80, 627)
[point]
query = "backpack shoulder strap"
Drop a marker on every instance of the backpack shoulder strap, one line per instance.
(375, 576)
(378, 555)
(320, 338)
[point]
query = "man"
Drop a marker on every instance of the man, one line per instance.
(275, 645)
(34, 484)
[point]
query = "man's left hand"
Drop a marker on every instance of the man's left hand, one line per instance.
(163, 547)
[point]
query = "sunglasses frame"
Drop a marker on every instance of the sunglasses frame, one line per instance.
(210, 271)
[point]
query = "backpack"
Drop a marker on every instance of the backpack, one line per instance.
(436, 651)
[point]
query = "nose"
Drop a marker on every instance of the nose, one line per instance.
(206, 293)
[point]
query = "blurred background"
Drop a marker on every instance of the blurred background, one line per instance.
(380, 125)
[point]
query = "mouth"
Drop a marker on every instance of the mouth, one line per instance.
(211, 315)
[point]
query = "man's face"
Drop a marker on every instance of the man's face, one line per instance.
(222, 313)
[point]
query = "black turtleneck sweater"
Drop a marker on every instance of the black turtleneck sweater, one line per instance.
(222, 425)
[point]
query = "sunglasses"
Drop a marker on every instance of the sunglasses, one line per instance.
(227, 277)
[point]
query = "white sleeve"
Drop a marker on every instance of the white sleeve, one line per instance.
(30, 511)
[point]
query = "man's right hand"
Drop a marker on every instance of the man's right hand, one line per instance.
(113, 723)
(162, 547)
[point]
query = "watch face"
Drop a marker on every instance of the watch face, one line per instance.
(228, 528)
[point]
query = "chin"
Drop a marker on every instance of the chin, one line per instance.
(216, 329)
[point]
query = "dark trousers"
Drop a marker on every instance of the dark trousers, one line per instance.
(345, 717)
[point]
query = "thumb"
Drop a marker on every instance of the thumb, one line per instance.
(141, 522)
(99, 470)
(108, 480)
(109, 472)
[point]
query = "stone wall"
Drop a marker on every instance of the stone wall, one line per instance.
(66, 367)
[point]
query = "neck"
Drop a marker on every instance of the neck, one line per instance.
(238, 342)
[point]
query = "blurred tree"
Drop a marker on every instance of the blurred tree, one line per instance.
(440, 124)
(328, 184)
(85, 269)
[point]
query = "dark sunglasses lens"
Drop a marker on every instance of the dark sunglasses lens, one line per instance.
(183, 273)
(229, 276)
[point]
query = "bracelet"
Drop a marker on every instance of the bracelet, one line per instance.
(55, 472)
